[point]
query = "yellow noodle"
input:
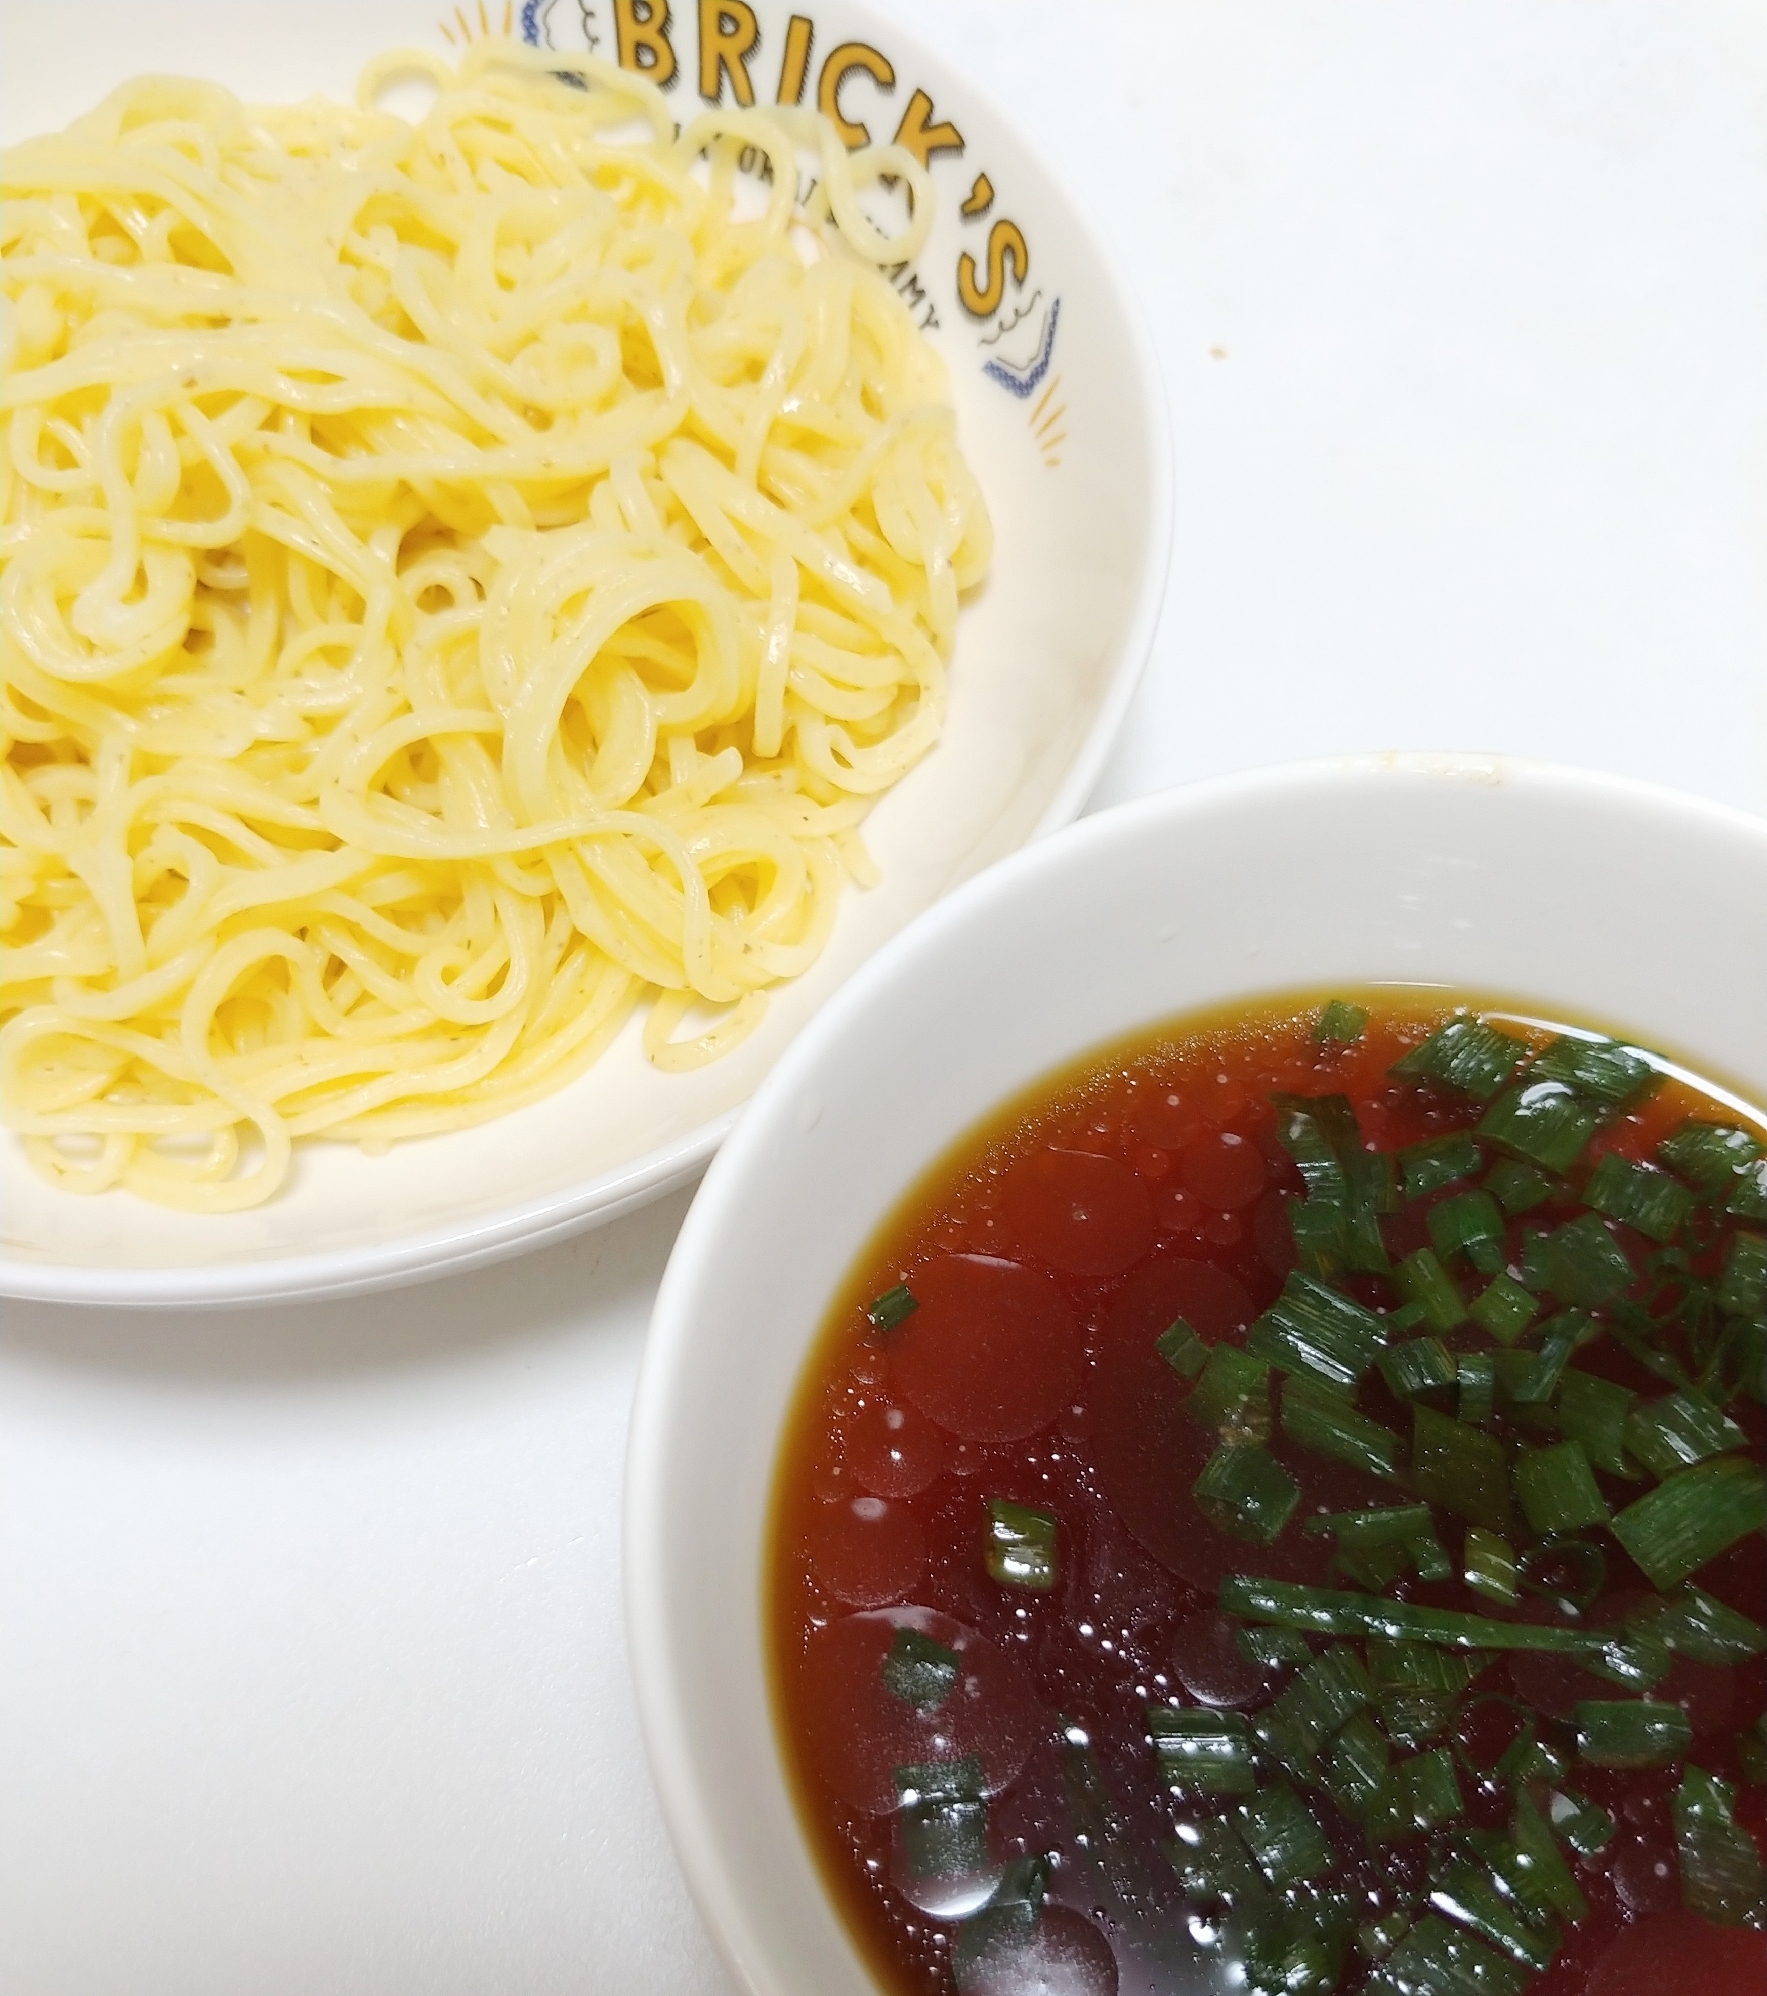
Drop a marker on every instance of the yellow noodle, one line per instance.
(458, 581)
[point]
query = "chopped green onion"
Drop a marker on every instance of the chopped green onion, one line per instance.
(1312, 1329)
(1417, 1794)
(1424, 1281)
(1244, 1490)
(1586, 1826)
(1435, 1959)
(1640, 1196)
(1559, 1338)
(1283, 1836)
(1695, 1625)
(919, 1671)
(1212, 1865)
(1340, 1024)
(1721, 1872)
(1394, 1524)
(1710, 1156)
(1541, 1121)
(1504, 1309)
(1593, 1411)
(1558, 1489)
(1324, 1421)
(1182, 1349)
(988, 1941)
(1355, 1765)
(1274, 1649)
(893, 1307)
(1211, 1751)
(1581, 1263)
(1478, 1386)
(1743, 1286)
(1465, 1054)
(1463, 1469)
(1544, 1873)
(1631, 1732)
(1232, 1395)
(1572, 1572)
(1412, 1666)
(1472, 1224)
(962, 1780)
(1469, 1897)
(1321, 1232)
(1693, 1517)
(1019, 1547)
(1488, 1567)
(1751, 1753)
(1441, 1161)
(1326, 1611)
(1423, 1365)
(945, 1837)
(1518, 1187)
(1612, 1073)
(1749, 1200)
(1679, 1431)
(1322, 1698)
(1378, 1938)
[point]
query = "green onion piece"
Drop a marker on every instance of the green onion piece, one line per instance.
(919, 1671)
(1593, 1411)
(1424, 1281)
(1182, 1349)
(1019, 1546)
(1469, 1897)
(1435, 1959)
(1420, 1366)
(1603, 1068)
(1210, 1751)
(1283, 1836)
(1442, 1161)
(1749, 1200)
(1472, 1224)
(1743, 1285)
(1541, 1862)
(1640, 1196)
(1323, 1420)
(1586, 1826)
(1394, 1524)
(1679, 1431)
(1558, 1489)
(1419, 1794)
(1517, 1187)
(1572, 1572)
(1463, 1469)
(1411, 1719)
(1478, 1386)
(1232, 1396)
(1298, 1946)
(945, 1837)
(962, 1780)
(1378, 1938)
(1311, 1328)
(1541, 1121)
(1503, 1309)
(1428, 1558)
(1695, 1625)
(1466, 1054)
(1354, 1767)
(893, 1307)
(988, 1942)
(1212, 1865)
(1488, 1567)
(1581, 1263)
(1710, 1156)
(1751, 1753)
(1274, 1649)
(1244, 1490)
(1411, 1666)
(1623, 1654)
(1559, 1338)
(1631, 1732)
(1323, 1697)
(1321, 1232)
(1693, 1517)
(1340, 1024)
(1721, 1872)
(1319, 1132)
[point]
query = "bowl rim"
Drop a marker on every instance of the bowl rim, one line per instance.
(652, 1652)
(526, 1224)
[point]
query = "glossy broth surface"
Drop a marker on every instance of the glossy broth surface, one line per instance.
(992, 1575)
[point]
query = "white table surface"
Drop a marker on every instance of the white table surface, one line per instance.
(311, 1669)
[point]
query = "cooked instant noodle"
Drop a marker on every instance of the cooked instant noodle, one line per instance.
(461, 580)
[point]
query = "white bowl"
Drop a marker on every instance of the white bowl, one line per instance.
(1062, 416)
(1587, 898)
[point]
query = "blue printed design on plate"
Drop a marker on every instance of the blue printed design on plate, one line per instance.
(1025, 381)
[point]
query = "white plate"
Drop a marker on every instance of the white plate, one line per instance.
(1648, 913)
(1061, 413)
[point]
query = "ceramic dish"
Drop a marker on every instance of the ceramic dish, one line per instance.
(1404, 871)
(1061, 414)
